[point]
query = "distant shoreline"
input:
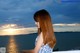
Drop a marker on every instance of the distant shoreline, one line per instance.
(36, 32)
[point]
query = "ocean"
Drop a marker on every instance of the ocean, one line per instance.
(65, 41)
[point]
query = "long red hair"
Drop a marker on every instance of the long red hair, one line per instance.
(44, 19)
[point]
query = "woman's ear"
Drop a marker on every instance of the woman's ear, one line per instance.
(38, 25)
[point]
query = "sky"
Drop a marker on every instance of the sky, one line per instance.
(14, 29)
(21, 11)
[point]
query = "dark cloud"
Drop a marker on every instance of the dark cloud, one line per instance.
(22, 11)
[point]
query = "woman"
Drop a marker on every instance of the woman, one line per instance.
(45, 40)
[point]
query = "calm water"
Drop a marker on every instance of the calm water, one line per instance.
(65, 41)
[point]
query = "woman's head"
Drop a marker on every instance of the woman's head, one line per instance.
(38, 17)
(40, 14)
(43, 20)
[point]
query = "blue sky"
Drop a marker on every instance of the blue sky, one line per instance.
(21, 11)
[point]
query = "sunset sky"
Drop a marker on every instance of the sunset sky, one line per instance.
(21, 11)
(18, 14)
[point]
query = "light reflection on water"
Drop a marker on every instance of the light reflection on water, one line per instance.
(12, 46)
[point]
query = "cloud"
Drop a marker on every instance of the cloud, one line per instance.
(22, 5)
(66, 24)
(68, 11)
(17, 11)
(11, 30)
(14, 29)
(21, 11)
(17, 31)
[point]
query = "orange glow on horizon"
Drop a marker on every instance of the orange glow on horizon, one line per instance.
(14, 29)
(10, 31)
